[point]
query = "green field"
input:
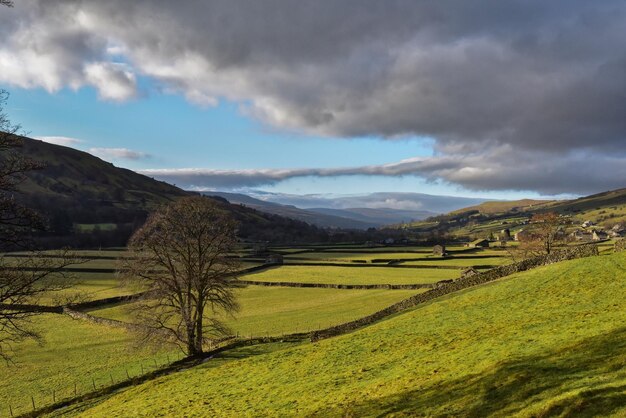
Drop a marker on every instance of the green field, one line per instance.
(92, 227)
(73, 352)
(461, 262)
(549, 342)
(352, 275)
(87, 287)
(284, 310)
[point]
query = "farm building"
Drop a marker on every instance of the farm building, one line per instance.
(587, 224)
(599, 235)
(439, 250)
(521, 235)
(274, 259)
(505, 234)
(579, 235)
(479, 243)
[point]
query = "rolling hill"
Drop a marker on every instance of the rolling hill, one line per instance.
(308, 216)
(77, 189)
(603, 209)
(546, 342)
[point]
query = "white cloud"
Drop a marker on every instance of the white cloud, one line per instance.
(60, 140)
(114, 81)
(118, 153)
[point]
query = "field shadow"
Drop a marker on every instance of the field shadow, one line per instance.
(252, 351)
(513, 385)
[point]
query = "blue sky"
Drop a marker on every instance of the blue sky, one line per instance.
(179, 134)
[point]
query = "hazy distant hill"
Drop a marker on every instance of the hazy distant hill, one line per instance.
(324, 220)
(402, 203)
(377, 216)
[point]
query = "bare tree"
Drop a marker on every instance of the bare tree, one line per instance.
(16, 220)
(22, 279)
(182, 255)
(545, 229)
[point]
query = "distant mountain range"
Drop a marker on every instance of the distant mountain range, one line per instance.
(334, 215)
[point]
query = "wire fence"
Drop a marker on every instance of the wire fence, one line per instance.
(86, 384)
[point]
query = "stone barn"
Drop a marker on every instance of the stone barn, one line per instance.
(274, 259)
(439, 250)
(479, 243)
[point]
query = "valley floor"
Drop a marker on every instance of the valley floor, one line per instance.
(548, 342)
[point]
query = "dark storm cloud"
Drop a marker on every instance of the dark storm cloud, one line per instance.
(545, 78)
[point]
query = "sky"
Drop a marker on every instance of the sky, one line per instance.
(493, 99)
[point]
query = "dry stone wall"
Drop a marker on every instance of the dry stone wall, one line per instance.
(460, 284)
(339, 286)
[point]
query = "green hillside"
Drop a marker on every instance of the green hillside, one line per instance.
(90, 202)
(79, 176)
(494, 207)
(604, 210)
(548, 342)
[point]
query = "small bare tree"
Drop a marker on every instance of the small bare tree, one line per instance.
(540, 238)
(182, 255)
(545, 229)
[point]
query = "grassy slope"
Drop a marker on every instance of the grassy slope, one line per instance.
(73, 351)
(283, 310)
(86, 287)
(606, 209)
(352, 275)
(551, 341)
(70, 172)
(505, 206)
(462, 262)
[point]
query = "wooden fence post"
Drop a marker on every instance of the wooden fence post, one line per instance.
(75, 391)
(10, 410)
(127, 375)
(93, 382)
(111, 375)
(53, 396)
(33, 402)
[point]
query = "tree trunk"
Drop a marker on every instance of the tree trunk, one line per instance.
(199, 326)
(191, 339)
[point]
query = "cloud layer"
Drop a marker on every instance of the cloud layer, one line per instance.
(118, 153)
(538, 82)
(497, 169)
(60, 140)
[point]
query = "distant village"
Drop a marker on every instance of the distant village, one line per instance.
(586, 232)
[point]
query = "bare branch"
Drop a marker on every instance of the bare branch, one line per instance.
(182, 256)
